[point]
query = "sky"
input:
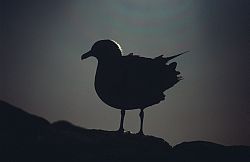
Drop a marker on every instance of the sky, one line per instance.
(41, 70)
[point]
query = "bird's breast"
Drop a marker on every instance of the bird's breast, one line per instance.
(109, 84)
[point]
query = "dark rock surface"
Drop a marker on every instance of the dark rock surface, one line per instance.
(26, 137)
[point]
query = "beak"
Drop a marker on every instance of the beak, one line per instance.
(86, 55)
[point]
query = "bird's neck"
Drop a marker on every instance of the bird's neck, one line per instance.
(107, 61)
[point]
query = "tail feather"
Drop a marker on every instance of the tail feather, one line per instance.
(164, 60)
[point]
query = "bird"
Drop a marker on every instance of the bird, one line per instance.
(128, 82)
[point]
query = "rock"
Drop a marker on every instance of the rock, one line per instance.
(26, 137)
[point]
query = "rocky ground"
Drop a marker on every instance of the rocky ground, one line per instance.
(28, 138)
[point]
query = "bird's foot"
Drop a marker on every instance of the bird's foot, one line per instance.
(127, 132)
(121, 131)
(140, 133)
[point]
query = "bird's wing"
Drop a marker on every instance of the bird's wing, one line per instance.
(142, 81)
(153, 73)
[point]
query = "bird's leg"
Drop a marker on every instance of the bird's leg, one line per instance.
(141, 117)
(121, 129)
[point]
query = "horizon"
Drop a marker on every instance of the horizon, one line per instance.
(111, 131)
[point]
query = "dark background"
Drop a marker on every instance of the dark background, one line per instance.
(41, 71)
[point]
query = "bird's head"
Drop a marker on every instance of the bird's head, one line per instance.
(104, 49)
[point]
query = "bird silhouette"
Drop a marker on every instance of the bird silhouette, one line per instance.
(131, 82)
